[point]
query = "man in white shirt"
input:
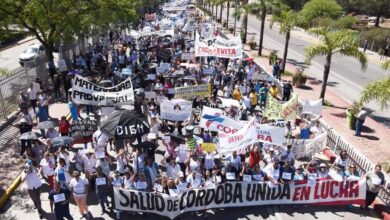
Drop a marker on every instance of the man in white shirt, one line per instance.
(89, 162)
(235, 160)
(30, 175)
(273, 170)
(194, 179)
(79, 188)
(99, 138)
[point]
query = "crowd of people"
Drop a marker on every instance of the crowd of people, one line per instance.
(75, 173)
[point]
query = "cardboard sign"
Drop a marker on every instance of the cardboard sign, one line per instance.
(83, 128)
(101, 181)
(246, 178)
(151, 77)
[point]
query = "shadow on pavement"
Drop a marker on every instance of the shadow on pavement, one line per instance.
(370, 137)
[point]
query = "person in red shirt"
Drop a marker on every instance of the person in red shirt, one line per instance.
(254, 157)
(64, 126)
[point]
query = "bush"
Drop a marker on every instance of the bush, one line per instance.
(376, 36)
(8, 37)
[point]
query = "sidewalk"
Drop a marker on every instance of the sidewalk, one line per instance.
(375, 137)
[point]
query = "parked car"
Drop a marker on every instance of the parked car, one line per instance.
(30, 53)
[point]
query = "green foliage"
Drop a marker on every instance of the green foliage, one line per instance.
(377, 36)
(319, 8)
(7, 37)
(386, 65)
(346, 22)
(379, 91)
(4, 72)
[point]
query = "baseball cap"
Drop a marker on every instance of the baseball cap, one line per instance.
(322, 165)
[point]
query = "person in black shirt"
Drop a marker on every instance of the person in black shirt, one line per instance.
(287, 89)
(60, 199)
(23, 128)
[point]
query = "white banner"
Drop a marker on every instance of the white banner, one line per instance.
(240, 194)
(308, 147)
(218, 47)
(238, 140)
(312, 107)
(87, 93)
(213, 120)
(270, 134)
(229, 102)
(176, 110)
(188, 92)
(62, 65)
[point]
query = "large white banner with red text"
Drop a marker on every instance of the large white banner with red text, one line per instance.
(218, 47)
(241, 194)
(239, 140)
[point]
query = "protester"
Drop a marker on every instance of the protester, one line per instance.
(79, 188)
(375, 181)
(59, 198)
(30, 175)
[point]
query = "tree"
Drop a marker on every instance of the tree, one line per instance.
(377, 8)
(259, 9)
(378, 90)
(288, 19)
(317, 9)
(243, 11)
(341, 41)
(50, 20)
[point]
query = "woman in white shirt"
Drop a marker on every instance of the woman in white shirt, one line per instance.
(62, 174)
(193, 165)
(342, 160)
(47, 166)
(209, 161)
(79, 188)
(121, 161)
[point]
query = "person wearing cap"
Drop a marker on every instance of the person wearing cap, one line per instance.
(312, 167)
(79, 188)
(102, 188)
(269, 155)
(89, 162)
(375, 181)
(23, 128)
(322, 172)
(59, 198)
(337, 173)
(33, 182)
(47, 166)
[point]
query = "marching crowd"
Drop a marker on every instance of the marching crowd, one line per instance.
(74, 174)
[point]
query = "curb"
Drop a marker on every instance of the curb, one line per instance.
(10, 190)
(16, 44)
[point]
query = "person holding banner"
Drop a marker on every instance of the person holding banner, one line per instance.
(287, 173)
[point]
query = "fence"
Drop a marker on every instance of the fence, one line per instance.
(19, 80)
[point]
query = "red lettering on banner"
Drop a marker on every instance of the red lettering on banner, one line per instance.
(344, 189)
(264, 138)
(316, 196)
(235, 138)
(332, 186)
(354, 189)
(302, 193)
(227, 129)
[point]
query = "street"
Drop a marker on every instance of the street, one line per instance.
(346, 76)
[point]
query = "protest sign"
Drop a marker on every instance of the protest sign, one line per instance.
(312, 107)
(151, 77)
(208, 71)
(270, 134)
(213, 120)
(62, 65)
(176, 110)
(87, 93)
(275, 110)
(151, 17)
(188, 92)
(150, 95)
(218, 47)
(208, 147)
(241, 194)
(308, 147)
(239, 140)
(83, 128)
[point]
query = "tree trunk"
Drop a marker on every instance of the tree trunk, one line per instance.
(227, 15)
(326, 75)
(246, 28)
(285, 50)
(49, 48)
(212, 11)
(216, 12)
(235, 23)
(378, 17)
(220, 12)
(263, 14)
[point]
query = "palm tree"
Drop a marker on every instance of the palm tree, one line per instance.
(259, 9)
(287, 19)
(378, 90)
(243, 11)
(340, 41)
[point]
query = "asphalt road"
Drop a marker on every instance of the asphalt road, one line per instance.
(346, 78)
